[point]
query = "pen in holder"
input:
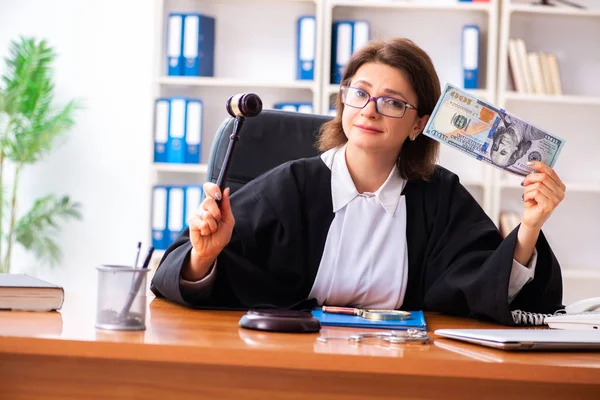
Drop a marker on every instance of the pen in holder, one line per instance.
(121, 302)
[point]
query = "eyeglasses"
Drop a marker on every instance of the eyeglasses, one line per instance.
(388, 106)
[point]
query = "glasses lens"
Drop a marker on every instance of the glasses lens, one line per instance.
(354, 97)
(391, 107)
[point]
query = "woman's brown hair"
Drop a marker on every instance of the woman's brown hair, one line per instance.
(417, 158)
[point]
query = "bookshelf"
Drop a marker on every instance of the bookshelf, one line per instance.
(574, 228)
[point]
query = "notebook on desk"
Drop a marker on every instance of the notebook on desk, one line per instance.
(416, 321)
(526, 339)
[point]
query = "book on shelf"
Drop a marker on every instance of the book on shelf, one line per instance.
(554, 74)
(23, 292)
(509, 220)
(533, 72)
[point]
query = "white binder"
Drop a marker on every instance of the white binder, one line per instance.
(174, 45)
(175, 148)
(175, 215)
(360, 35)
(470, 56)
(161, 130)
(193, 131)
(343, 49)
(159, 218)
(307, 32)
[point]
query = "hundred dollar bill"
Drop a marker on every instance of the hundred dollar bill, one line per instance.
(489, 134)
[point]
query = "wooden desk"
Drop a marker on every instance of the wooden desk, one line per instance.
(187, 354)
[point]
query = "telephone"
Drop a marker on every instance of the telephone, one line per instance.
(582, 314)
(586, 305)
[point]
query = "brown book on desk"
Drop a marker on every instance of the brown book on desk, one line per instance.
(26, 293)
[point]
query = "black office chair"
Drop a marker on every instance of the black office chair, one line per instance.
(266, 141)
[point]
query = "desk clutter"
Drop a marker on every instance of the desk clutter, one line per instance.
(278, 320)
(403, 326)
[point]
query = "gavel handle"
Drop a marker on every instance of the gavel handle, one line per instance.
(222, 179)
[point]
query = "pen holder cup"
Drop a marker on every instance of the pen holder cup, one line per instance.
(121, 301)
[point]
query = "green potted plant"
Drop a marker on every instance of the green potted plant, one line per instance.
(30, 123)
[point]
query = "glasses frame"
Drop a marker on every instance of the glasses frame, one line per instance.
(375, 99)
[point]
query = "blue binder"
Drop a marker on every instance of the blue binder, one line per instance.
(193, 130)
(175, 214)
(160, 206)
(198, 45)
(416, 321)
(348, 36)
(286, 106)
(341, 48)
(161, 129)
(301, 107)
(175, 142)
(174, 48)
(470, 56)
(305, 54)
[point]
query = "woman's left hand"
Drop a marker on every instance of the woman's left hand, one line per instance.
(543, 192)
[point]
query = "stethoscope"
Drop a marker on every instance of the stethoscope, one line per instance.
(392, 337)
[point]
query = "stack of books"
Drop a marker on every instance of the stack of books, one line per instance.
(533, 72)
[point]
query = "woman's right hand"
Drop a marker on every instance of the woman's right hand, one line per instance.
(210, 230)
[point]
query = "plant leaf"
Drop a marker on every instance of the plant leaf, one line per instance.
(27, 99)
(39, 225)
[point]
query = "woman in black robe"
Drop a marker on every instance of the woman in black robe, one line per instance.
(375, 195)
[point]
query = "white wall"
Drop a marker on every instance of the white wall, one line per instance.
(106, 51)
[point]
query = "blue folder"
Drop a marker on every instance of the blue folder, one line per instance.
(416, 321)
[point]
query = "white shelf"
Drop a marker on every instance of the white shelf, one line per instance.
(515, 183)
(227, 82)
(473, 182)
(185, 168)
(581, 273)
(556, 10)
(333, 88)
(548, 98)
(419, 5)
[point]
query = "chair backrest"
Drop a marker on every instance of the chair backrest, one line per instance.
(266, 141)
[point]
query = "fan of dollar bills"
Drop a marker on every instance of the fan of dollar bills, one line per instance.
(489, 134)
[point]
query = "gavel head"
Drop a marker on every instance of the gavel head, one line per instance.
(244, 105)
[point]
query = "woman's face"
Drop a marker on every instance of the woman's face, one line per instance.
(370, 131)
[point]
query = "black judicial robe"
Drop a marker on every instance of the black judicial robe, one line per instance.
(458, 263)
